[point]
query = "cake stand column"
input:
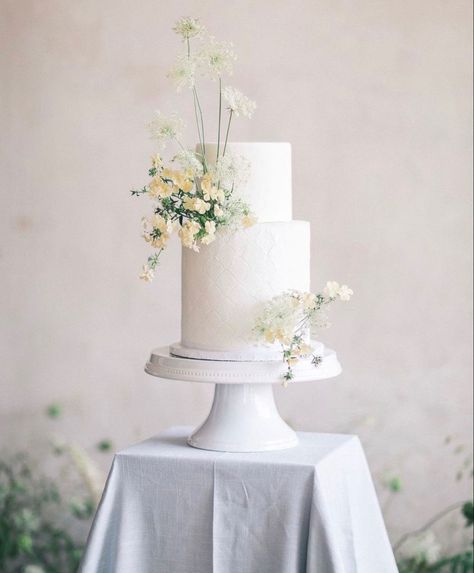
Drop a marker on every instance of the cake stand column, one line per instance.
(243, 418)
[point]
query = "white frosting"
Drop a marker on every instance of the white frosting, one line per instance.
(226, 284)
(268, 189)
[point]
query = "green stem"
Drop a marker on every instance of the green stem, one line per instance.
(219, 121)
(427, 525)
(227, 132)
(202, 128)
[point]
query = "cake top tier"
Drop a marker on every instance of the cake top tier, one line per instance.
(268, 188)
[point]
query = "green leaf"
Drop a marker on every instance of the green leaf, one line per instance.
(468, 512)
(53, 411)
(104, 446)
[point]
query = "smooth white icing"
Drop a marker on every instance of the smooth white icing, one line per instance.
(268, 189)
(226, 284)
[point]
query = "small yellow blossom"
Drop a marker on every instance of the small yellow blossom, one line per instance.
(248, 221)
(158, 188)
(147, 274)
(210, 236)
(187, 233)
(182, 181)
(156, 161)
(196, 204)
(206, 183)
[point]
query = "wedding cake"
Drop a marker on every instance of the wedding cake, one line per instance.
(226, 283)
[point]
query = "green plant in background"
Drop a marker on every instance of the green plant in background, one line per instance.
(35, 522)
(44, 521)
(423, 547)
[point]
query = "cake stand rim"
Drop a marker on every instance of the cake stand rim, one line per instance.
(162, 364)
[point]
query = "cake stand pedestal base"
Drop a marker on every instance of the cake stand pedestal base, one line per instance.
(243, 418)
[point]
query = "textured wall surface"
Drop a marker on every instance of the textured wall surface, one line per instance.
(375, 99)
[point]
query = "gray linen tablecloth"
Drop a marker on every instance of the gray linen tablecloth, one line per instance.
(169, 508)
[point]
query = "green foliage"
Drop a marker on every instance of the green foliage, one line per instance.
(35, 524)
(394, 484)
(104, 446)
(462, 563)
(468, 512)
(54, 410)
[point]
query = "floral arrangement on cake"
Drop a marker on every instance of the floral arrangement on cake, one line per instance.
(289, 318)
(190, 196)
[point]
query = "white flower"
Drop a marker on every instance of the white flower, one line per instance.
(332, 289)
(33, 569)
(163, 128)
(309, 300)
(189, 162)
(147, 274)
(237, 102)
(217, 58)
(232, 171)
(319, 320)
(345, 293)
(423, 547)
(218, 212)
(188, 28)
(182, 74)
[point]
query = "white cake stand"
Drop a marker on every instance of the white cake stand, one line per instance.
(243, 417)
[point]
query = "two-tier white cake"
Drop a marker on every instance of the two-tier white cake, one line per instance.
(226, 284)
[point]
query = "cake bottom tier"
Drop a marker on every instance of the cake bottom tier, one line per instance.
(226, 285)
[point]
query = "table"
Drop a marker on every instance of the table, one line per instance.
(169, 508)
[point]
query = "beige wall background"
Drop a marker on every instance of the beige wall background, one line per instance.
(375, 99)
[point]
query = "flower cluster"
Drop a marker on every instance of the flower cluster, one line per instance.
(190, 197)
(290, 317)
(186, 201)
(237, 102)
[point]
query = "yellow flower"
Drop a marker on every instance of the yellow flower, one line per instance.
(201, 206)
(187, 234)
(188, 203)
(146, 274)
(156, 161)
(206, 183)
(210, 228)
(269, 336)
(248, 221)
(160, 242)
(158, 188)
(214, 193)
(182, 181)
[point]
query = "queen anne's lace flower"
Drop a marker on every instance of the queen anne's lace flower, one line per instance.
(183, 73)
(189, 162)
(237, 102)
(164, 128)
(217, 58)
(188, 28)
(232, 171)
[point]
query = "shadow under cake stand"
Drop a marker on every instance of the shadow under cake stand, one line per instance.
(243, 416)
